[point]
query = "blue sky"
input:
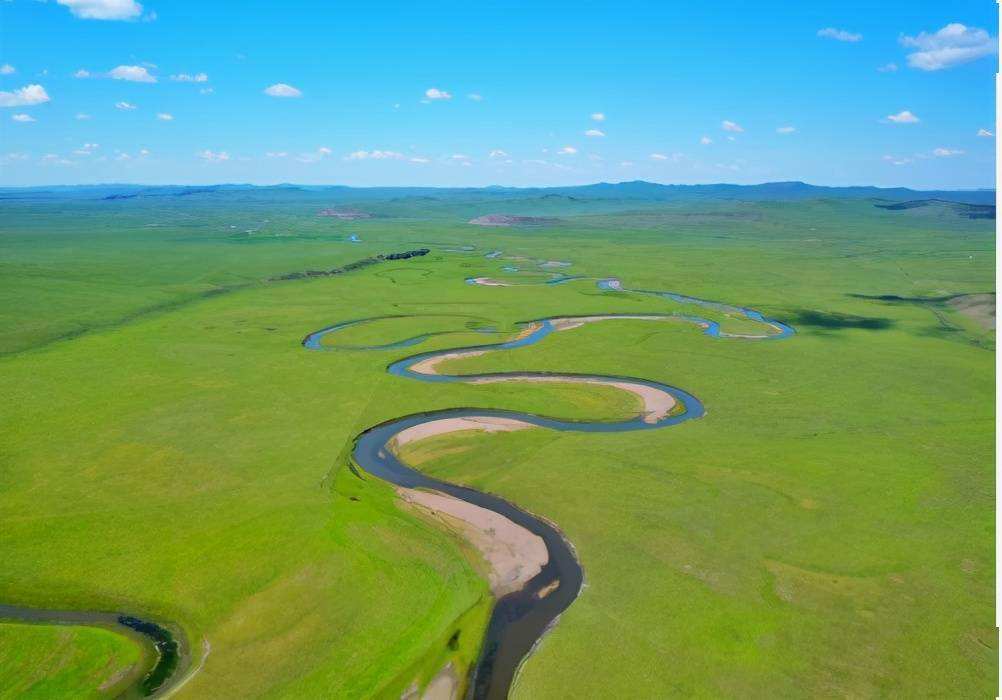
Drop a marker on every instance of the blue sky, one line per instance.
(478, 93)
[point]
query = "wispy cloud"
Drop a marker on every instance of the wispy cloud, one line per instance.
(951, 46)
(133, 74)
(567, 151)
(7, 69)
(839, 35)
(128, 106)
(888, 68)
(82, 73)
(436, 94)
(276, 154)
(786, 129)
(903, 117)
(946, 152)
(207, 90)
(190, 78)
(22, 117)
(476, 97)
(87, 149)
(985, 134)
(24, 97)
(706, 140)
(165, 117)
(419, 159)
(658, 156)
(104, 9)
(497, 153)
(594, 133)
(214, 156)
(314, 156)
(728, 125)
(598, 116)
(374, 155)
(896, 160)
(82, 117)
(282, 90)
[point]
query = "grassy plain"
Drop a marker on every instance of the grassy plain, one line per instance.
(826, 529)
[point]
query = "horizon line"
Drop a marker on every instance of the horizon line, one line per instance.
(497, 186)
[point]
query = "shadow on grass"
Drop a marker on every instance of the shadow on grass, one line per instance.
(810, 318)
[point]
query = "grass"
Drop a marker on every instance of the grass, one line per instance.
(826, 529)
(47, 661)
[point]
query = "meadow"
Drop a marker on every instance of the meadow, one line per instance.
(171, 450)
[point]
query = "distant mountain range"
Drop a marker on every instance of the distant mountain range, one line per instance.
(638, 190)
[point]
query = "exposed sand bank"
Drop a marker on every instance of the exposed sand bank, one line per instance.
(513, 554)
(657, 402)
(488, 424)
(566, 324)
(430, 364)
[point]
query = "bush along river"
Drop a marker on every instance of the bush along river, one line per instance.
(521, 616)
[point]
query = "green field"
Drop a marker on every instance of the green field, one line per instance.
(170, 449)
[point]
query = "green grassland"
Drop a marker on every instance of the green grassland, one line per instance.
(46, 661)
(170, 449)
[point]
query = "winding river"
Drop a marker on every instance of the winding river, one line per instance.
(520, 618)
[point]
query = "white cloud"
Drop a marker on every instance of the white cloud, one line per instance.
(188, 78)
(418, 159)
(985, 134)
(706, 140)
(207, 90)
(17, 156)
(134, 74)
(7, 69)
(103, 9)
(24, 97)
(626, 164)
(839, 34)
(374, 155)
(459, 157)
(594, 133)
(317, 155)
(82, 73)
(946, 152)
(282, 90)
(143, 152)
(728, 125)
(82, 117)
(567, 151)
(903, 117)
(598, 117)
(87, 149)
(476, 96)
(895, 160)
(214, 156)
(658, 156)
(950, 46)
(786, 129)
(888, 68)
(165, 117)
(276, 154)
(436, 94)
(497, 153)
(125, 105)
(53, 159)
(22, 117)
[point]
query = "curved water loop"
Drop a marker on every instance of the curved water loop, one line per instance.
(521, 617)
